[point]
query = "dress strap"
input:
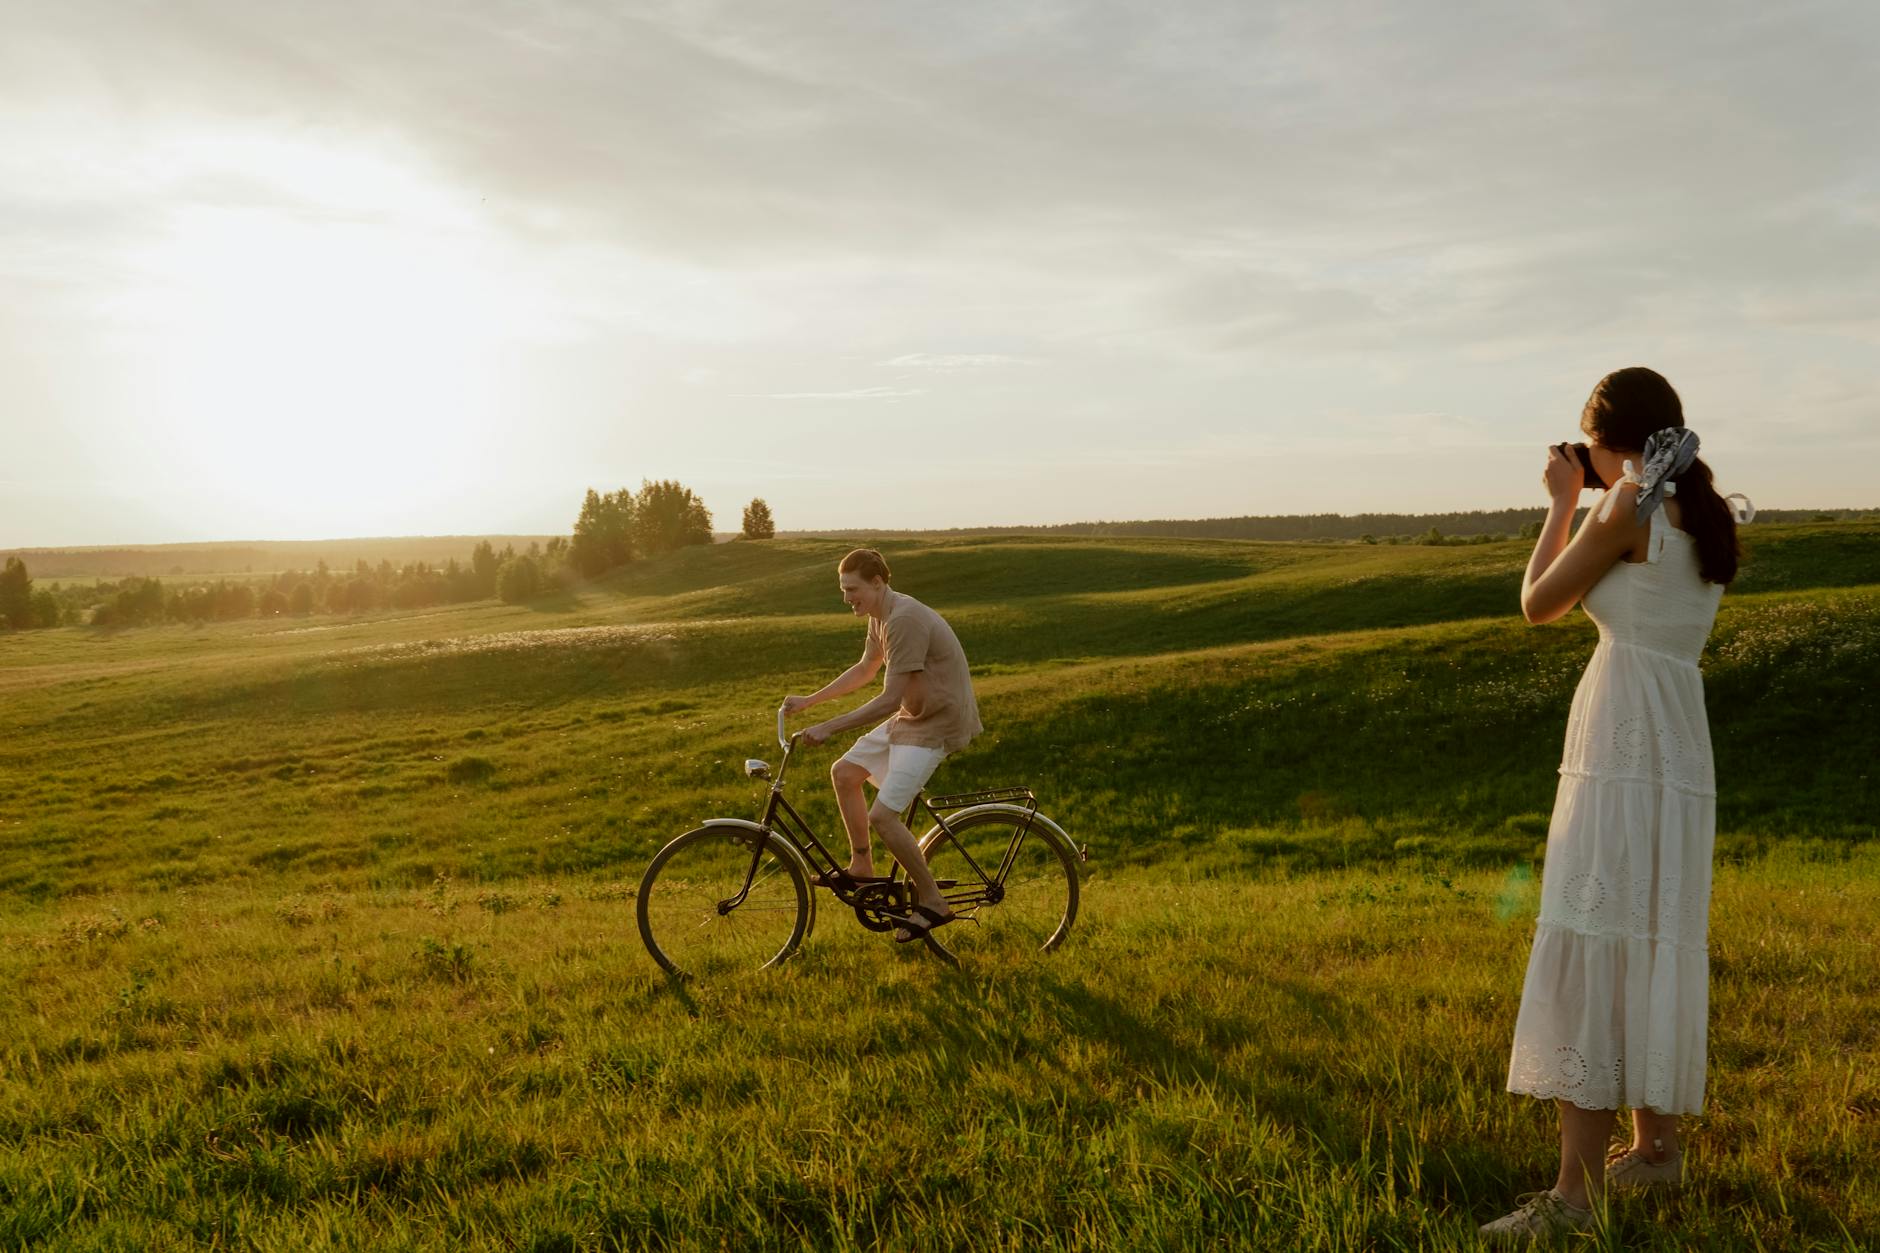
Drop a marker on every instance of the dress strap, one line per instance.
(1612, 493)
(1655, 544)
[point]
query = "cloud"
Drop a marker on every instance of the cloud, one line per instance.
(1197, 220)
(952, 362)
(858, 393)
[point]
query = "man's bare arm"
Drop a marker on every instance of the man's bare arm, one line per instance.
(872, 711)
(853, 679)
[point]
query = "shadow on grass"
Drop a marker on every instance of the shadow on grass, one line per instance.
(676, 987)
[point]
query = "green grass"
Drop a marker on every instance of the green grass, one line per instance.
(317, 934)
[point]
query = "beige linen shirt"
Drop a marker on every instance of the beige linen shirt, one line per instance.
(938, 709)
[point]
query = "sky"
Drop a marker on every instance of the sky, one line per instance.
(276, 270)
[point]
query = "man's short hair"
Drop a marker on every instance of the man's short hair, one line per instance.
(866, 562)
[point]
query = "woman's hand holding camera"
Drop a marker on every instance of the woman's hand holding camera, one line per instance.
(1563, 477)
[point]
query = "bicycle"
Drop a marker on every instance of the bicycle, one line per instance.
(733, 894)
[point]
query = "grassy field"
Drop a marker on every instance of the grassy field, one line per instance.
(318, 934)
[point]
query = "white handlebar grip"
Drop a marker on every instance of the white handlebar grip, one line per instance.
(783, 738)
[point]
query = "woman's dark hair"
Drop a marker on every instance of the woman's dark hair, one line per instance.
(1626, 407)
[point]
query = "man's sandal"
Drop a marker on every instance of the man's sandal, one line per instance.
(912, 929)
(840, 879)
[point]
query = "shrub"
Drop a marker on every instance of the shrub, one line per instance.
(519, 579)
(470, 770)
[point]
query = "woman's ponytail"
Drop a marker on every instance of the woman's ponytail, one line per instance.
(1709, 520)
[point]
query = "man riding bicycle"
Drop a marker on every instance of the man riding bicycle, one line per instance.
(927, 697)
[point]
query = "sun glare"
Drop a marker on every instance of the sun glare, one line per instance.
(331, 340)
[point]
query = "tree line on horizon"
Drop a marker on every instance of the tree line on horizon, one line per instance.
(1461, 526)
(138, 600)
(615, 528)
(612, 529)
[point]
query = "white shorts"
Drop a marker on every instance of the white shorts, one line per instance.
(898, 771)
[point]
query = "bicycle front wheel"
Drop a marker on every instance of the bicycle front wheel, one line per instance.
(1013, 883)
(722, 898)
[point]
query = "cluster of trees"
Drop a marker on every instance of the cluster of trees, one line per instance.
(613, 529)
(617, 527)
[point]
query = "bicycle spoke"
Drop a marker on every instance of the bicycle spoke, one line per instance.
(686, 912)
(1030, 909)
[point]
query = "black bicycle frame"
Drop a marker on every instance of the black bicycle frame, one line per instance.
(781, 819)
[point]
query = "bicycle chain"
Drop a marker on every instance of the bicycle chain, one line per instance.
(880, 906)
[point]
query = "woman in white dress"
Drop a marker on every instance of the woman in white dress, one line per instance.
(1614, 1006)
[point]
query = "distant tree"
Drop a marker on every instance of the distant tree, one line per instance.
(1367, 538)
(757, 521)
(483, 567)
(1432, 537)
(603, 533)
(273, 603)
(139, 601)
(46, 609)
(300, 600)
(234, 600)
(558, 568)
(667, 516)
(519, 579)
(16, 595)
(1531, 530)
(460, 582)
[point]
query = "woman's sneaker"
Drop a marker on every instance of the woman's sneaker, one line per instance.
(1632, 1170)
(1540, 1216)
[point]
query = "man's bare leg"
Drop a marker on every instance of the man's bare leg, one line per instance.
(848, 779)
(906, 850)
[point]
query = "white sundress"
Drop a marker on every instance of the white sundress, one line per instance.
(1614, 1008)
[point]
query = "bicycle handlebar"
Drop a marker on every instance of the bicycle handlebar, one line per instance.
(783, 739)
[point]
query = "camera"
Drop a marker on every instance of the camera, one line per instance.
(1585, 456)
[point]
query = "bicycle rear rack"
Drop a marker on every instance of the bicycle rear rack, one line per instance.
(960, 800)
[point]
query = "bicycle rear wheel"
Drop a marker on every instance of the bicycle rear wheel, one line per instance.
(722, 898)
(1027, 909)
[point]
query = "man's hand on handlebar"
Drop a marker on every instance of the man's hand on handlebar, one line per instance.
(812, 736)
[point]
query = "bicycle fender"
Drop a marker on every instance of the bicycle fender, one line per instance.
(783, 848)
